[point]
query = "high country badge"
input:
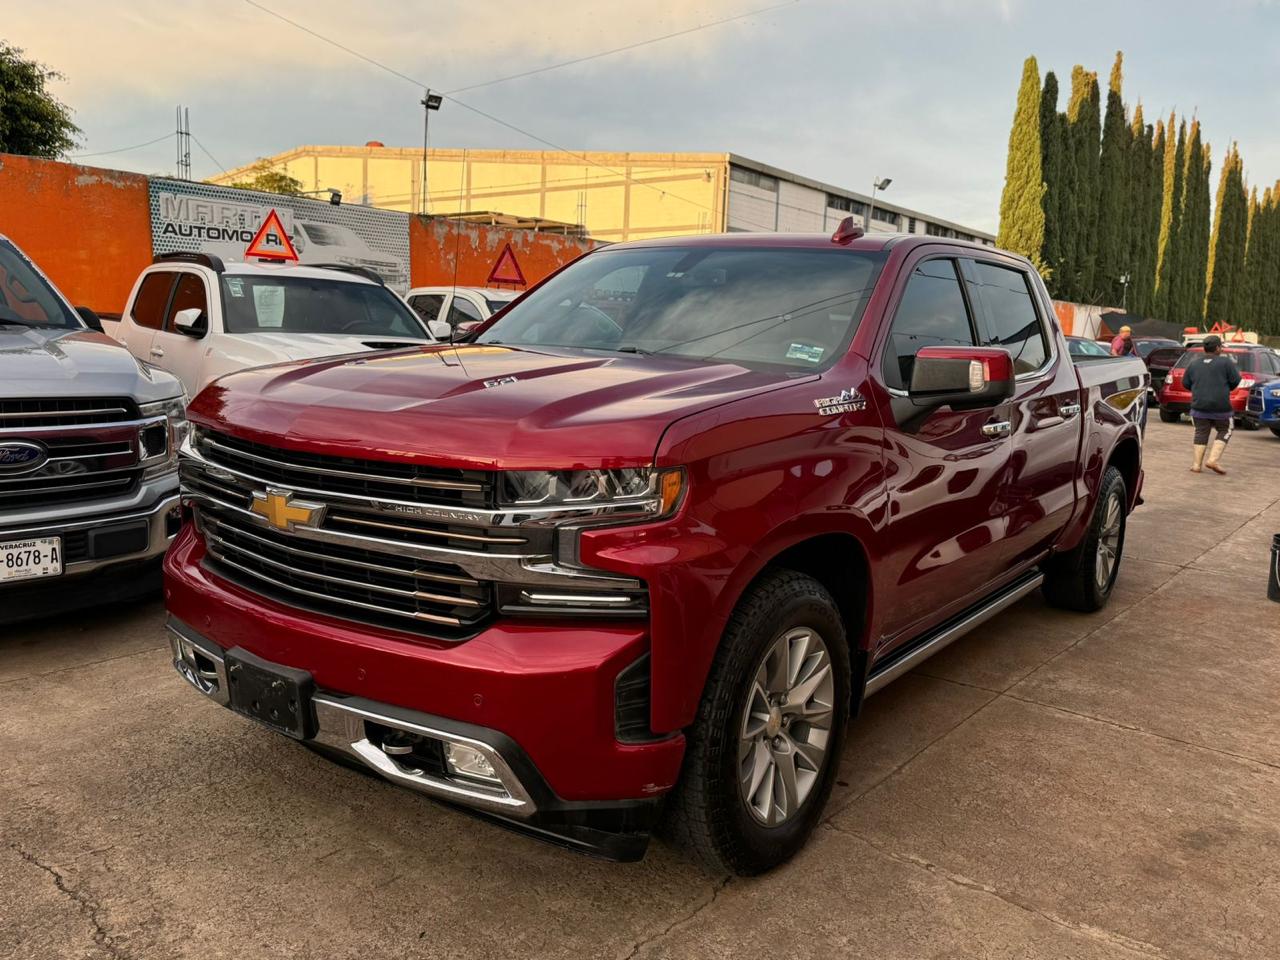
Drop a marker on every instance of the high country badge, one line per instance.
(849, 401)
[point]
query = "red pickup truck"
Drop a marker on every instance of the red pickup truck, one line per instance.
(634, 555)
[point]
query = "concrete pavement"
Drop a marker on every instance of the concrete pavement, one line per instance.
(1055, 785)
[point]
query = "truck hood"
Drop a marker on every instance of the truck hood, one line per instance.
(477, 407)
(304, 346)
(38, 362)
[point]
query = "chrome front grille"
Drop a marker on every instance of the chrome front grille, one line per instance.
(292, 527)
(91, 444)
(342, 475)
(65, 411)
(1255, 399)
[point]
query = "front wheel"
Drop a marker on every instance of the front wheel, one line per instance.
(1169, 416)
(762, 754)
(1276, 431)
(1083, 578)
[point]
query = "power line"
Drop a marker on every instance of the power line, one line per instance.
(630, 46)
(476, 110)
(205, 151)
(136, 146)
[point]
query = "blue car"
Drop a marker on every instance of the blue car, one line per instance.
(1263, 406)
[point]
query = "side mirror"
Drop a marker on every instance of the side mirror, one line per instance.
(191, 321)
(961, 377)
(440, 330)
(91, 319)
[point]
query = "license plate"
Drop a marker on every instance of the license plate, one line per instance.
(28, 559)
(274, 695)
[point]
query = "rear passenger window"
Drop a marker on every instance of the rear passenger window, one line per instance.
(153, 295)
(428, 305)
(932, 313)
(1011, 316)
(189, 293)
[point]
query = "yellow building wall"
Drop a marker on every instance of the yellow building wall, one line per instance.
(618, 196)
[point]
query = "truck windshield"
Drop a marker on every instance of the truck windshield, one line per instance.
(267, 304)
(789, 307)
(26, 297)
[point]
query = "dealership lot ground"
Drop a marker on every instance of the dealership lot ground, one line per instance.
(1054, 785)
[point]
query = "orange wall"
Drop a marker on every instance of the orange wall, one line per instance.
(88, 229)
(433, 242)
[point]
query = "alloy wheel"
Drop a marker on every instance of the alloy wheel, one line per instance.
(1108, 542)
(786, 726)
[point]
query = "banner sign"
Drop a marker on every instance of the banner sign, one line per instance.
(224, 221)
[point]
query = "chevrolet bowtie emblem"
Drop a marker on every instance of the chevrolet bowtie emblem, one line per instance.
(283, 512)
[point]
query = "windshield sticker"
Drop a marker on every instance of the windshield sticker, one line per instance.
(235, 287)
(849, 401)
(805, 351)
(268, 303)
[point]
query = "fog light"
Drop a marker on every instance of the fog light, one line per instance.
(464, 761)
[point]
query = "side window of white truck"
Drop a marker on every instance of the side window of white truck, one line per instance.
(188, 295)
(153, 295)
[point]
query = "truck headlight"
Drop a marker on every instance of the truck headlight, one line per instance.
(654, 492)
(163, 429)
(1275, 393)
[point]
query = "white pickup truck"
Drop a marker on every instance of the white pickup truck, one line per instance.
(199, 318)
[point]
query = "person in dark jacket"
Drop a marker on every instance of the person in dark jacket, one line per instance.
(1211, 379)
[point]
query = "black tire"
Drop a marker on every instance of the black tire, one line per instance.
(707, 813)
(1276, 431)
(1246, 424)
(1072, 579)
(1169, 416)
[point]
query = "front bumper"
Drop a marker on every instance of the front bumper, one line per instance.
(96, 547)
(356, 730)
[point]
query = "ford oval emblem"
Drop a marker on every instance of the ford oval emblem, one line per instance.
(20, 456)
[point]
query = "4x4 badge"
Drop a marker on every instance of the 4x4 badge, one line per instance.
(849, 401)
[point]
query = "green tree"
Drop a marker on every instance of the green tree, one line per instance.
(267, 180)
(33, 122)
(1192, 246)
(1115, 194)
(1154, 213)
(1170, 218)
(1143, 226)
(1246, 304)
(1232, 210)
(1051, 169)
(1021, 209)
(1084, 133)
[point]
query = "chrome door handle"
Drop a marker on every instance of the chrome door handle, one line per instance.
(1069, 409)
(997, 428)
(157, 352)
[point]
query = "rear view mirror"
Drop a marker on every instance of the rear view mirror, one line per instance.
(961, 377)
(90, 318)
(440, 330)
(190, 321)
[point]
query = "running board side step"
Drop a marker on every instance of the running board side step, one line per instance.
(884, 674)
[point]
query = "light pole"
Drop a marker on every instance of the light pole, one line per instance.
(430, 101)
(876, 184)
(1124, 292)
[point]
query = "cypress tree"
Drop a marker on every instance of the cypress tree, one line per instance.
(1114, 194)
(1245, 299)
(1021, 204)
(1192, 249)
(1154, 205)
(1227, 250)
(1085, 131)
(1141, 241)
(1051, 169)
(1170, 216)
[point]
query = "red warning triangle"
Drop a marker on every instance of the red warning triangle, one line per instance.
(271, 242)
(506, 269)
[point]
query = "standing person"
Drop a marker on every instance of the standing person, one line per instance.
(1211, 379)
(1122, 345)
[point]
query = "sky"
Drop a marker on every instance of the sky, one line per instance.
(839, 90)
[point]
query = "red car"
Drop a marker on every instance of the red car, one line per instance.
(642, 548)
(1257, 364)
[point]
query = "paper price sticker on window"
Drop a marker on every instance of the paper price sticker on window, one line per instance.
(268, 303)
(806, 351)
